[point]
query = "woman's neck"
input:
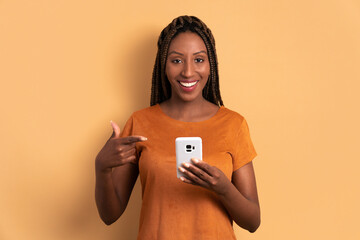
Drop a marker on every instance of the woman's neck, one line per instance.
(197, 110)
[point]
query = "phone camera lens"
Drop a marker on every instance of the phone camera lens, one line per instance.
(188, 148)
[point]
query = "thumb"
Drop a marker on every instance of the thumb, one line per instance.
(116, 129)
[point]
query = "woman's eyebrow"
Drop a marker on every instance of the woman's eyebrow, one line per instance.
(200, 52)
(175, 52)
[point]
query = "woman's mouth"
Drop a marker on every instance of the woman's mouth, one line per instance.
(188, 86)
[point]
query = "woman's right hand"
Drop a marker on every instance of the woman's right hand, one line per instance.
(117, 151)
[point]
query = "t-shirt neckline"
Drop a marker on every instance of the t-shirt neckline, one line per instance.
(216, 115)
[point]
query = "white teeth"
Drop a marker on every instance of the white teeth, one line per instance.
(188, 84)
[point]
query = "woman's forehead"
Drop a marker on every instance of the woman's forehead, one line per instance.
(187, 42)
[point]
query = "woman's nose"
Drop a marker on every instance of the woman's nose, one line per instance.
(188, 69)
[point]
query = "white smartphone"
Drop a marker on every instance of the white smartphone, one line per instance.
(187, 148)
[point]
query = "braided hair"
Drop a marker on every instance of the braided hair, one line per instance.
(161, 89)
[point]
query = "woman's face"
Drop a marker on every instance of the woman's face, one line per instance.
(187, 66)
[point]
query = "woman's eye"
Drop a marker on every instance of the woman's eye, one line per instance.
(176, 61)
(199, 60)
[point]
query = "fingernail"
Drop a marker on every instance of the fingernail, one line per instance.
(181, 169)
(186, 165)
(144, 138)
(195, 160)
(182, 179)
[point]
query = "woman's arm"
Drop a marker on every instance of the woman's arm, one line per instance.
(113, 190)
(239, 196)
(116, 173)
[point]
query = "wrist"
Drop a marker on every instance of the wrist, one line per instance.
(100, 169)
(226, 189)
(103, 172)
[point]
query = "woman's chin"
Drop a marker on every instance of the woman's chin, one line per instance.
(188, 98)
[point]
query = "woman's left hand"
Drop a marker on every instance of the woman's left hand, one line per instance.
(202, 174)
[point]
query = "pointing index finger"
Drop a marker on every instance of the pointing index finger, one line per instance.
(133, 139)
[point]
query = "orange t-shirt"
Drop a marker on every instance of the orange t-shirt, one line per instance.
(172, 209)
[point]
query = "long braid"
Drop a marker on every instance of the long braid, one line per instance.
(161, 89)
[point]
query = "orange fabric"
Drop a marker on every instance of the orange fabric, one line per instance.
(175, 210)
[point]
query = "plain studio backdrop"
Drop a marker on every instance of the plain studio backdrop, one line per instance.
(67, 68)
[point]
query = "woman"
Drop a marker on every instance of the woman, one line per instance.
(185, 102)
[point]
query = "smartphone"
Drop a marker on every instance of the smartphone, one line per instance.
(187, 148)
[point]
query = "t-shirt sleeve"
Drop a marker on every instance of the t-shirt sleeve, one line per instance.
(244, 151)
(128, 128)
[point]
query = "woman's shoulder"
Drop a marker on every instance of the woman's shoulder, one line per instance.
(146, 112)
(232, 115)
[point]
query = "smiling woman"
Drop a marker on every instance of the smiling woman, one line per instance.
(187, 67)
(185, 102)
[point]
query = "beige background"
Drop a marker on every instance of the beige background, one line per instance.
(69, 67)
